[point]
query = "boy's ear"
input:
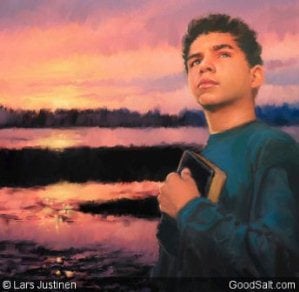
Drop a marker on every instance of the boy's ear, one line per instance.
(257, 76)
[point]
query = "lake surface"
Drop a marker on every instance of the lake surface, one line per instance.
(49, 216)
(98, 137)
(44, 236)
(105, 137)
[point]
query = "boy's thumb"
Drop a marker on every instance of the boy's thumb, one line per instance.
(186, 173)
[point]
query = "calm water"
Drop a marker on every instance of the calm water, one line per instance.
(43, 236)
(99, 137)
(49, 216)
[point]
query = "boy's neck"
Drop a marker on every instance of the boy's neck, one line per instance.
(228, 117)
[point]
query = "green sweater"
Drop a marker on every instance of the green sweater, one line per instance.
(253, 229)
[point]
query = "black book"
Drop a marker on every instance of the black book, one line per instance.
(208, 177)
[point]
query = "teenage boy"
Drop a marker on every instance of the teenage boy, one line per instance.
(253, 229)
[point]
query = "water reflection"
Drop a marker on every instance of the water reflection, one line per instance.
(49, 217)
(58, 140)
(98, 137)
(104, 137)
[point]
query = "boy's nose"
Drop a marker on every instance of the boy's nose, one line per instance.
(206, 65)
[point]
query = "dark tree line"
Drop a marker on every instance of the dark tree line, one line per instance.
(284, 115)
(278, 116)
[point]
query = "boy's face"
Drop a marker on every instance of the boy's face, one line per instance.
(218, 72)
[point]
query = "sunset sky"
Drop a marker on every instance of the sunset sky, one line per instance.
(90, 53)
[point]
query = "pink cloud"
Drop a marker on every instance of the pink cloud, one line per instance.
(88, 54)
(278, 64)
(278, 94)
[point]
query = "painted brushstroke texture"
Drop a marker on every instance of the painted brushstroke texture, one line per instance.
(90, 54)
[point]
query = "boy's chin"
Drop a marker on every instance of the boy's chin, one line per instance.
(214, 105)
(210, 105)
(207, 101)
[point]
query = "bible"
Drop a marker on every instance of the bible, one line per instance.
(209, 178)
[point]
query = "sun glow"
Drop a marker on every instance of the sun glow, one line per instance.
(57, 141)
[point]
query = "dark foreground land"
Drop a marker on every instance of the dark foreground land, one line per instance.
(90, 268)
(32, 167)
(146, 208)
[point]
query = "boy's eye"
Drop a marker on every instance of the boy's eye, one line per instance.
(194, 63)
(225, 55)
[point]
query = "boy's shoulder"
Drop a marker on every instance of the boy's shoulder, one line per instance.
(262, 134)
(272, 146)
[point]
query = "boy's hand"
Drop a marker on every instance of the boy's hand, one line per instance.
(176, 192)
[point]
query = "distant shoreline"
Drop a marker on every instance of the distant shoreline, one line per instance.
(283, 115)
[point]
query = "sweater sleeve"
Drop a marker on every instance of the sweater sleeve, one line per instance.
(265, 246)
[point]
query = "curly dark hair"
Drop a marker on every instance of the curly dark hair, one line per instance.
(244, 36)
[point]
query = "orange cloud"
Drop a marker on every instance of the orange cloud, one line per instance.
(56, 55)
